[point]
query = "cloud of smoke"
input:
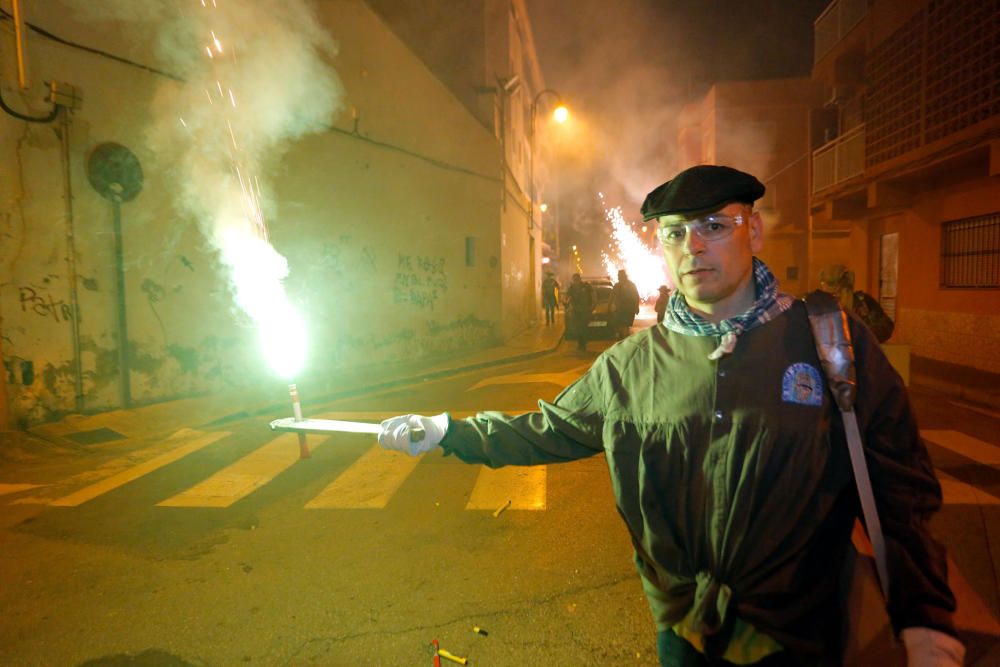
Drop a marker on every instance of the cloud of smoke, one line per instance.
(608, 70)
(630, 74)
(255, 79)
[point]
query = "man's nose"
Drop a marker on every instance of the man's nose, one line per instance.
(693, 244)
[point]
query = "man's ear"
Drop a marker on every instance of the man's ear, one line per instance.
(756, 232)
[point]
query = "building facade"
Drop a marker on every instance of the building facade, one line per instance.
(905, 168)
(485, 55)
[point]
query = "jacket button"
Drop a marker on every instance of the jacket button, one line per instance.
(722, 373)
(718, 415)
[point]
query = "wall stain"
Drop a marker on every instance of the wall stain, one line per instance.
(105, 370)
(153, 290)
(143, 362)
(58, 378)
(186, 357)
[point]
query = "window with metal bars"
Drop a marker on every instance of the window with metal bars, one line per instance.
(970, 252)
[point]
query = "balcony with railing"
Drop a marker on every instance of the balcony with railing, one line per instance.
(835, 22)
(839, 160)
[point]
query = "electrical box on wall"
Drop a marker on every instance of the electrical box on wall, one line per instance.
(65, 95)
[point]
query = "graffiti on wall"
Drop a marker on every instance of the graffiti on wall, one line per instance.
(342, 261)
(43, 304)
(460, 334)
(420, 280)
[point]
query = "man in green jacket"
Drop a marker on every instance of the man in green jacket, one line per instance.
(728, 468)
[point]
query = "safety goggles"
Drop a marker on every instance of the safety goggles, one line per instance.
(712, 227)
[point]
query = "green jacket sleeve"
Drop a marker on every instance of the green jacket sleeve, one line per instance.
(567, 429)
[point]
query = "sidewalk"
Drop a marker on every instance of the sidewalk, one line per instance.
(158, 420)
(960, 383)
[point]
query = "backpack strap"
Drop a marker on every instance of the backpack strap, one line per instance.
(832, 335)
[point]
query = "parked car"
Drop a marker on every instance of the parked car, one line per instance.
(598, 280)
(600, 318)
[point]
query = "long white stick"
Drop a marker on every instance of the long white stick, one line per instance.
(323, 426)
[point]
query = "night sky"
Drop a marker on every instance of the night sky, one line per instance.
(690, 41)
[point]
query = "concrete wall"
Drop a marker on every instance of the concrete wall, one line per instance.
(947, 171)
(960, 326)
(373, 216)
(472, 52)
(848, 247)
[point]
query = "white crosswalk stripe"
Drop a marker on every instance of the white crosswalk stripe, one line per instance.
(6, 489)
(953, 490)
(377, 475)
(524, 487)
(969, 447)
(243, 477)
(957, 492)
(369, 483)
(179, 445)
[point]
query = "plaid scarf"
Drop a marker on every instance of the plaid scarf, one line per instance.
(768, 304)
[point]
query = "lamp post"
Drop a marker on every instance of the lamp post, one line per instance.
(560, 114)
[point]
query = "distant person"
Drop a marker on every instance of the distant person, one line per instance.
(624, 304)
(728, 465)
(579, 306)
(661, 303)
(550, 297)
(837, 280)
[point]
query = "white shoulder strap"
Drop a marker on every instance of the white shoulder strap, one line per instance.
(868, 508)
(836, 354)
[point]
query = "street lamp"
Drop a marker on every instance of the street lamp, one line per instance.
(560, 115)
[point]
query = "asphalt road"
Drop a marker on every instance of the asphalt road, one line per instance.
(235, 552)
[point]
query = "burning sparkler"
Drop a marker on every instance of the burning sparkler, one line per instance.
(223, 186)
(278, 89)
(644, 265)
(257, 269)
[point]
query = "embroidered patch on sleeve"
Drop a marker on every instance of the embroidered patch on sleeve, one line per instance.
(802, 384)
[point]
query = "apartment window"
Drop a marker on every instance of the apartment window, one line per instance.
(934, 76)
(970, 252)
(963, 48)
(892, 101)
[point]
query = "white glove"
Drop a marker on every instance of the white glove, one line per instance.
(932, 648)
(413, 434)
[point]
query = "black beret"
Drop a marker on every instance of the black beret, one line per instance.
(702, 188)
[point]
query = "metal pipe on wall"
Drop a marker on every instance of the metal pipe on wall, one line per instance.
(4, 410)
(22, 77)
(123, 366)
(114, 171)
(71, 276)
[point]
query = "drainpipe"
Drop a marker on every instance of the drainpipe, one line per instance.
(114, 171)
(71, 265)
(22, 77)
(123, 367)
(4, 411)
